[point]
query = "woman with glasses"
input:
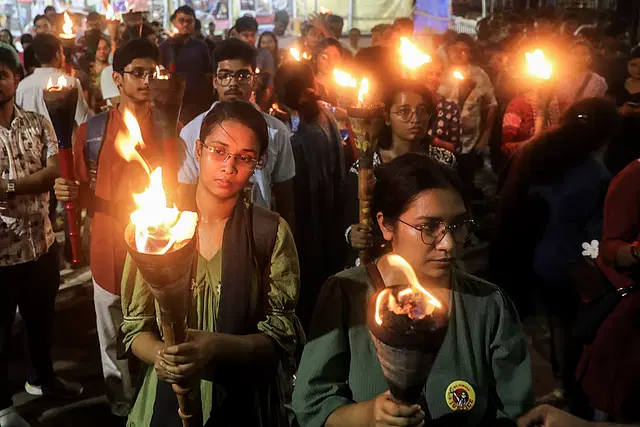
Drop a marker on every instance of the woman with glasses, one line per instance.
(409, 108)
(418, 205)
(245, 286)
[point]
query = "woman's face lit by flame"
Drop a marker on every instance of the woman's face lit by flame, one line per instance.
(226, 179)
(432, 263)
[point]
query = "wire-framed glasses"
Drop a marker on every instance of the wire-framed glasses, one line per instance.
(433, 232)
(406, 113)
(221, 154)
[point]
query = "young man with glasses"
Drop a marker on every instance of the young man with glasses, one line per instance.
(193, 62)
(104, 187)
(234, 80)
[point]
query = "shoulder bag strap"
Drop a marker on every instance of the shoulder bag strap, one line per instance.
(375, 276)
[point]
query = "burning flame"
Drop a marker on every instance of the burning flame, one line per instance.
(257, 70)
(61, 83)
(538, 66)
(158, 227)
(458, 75)
(295, 53)
(174, 32)
(127, 143)
(111, 16)
(364, 89)
(161, 73)
(344, 79)
(325, 11)
(414, 286)
(67, 27)
(305, 56)
(411, 56)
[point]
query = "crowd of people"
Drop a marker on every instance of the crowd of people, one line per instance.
(472, 150)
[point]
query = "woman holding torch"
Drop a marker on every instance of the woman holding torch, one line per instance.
(481, 375)
(243, 299)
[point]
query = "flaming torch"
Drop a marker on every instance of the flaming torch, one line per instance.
(412, 58)
(366, 122)
(112, 23)
(539, 69)
(407, 325)
(161, 241)
(167, 91)
(61, 101)
(68, 38)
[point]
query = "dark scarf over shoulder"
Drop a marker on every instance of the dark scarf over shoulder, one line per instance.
(243, 396)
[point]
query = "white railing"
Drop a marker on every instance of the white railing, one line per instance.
(463, 25)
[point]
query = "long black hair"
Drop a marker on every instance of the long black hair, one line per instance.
(586, 127)
(386, 135)
(276, 58)
(294, 83)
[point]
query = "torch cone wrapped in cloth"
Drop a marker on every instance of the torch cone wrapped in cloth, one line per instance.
(407, 325)
(367, 122)
(161, 241)
(61, 101)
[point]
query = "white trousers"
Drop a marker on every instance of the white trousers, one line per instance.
(116, 372)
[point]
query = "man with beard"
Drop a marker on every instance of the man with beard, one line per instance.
(234, 80)
(29, 267)
(105, 186)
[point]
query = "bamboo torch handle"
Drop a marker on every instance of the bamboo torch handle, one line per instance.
(365, 190)
(188, 405)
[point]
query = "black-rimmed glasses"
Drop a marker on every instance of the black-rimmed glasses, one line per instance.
(221, 154)
(242, 77)
(433, 232)
(141, 73)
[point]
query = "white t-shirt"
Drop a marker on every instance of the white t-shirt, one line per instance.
(107, 85)
(280, 165)
(29, 93)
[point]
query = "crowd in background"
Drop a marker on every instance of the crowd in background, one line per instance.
(546, 171)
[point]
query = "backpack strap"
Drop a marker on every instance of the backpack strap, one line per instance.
(96, 129)
(264, 224)
(375, 276)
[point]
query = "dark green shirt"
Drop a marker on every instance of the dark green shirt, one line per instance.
(485, 347)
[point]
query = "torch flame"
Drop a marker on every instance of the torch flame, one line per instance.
(110, 13)
(295, 53)
(325, 11)
(403, 266)
(305, 56)
(458, 75)
(67, 27)
(538, 65)
(411, 56)
(257, 70)
(157, 227)
(344, 79)
(126, 143)
(61, 83)
(161, 73)
(364, 89)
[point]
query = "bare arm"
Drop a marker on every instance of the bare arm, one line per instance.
(283, 193)
(36, 183)
(488, 126)
(146, 346)
(354, 415)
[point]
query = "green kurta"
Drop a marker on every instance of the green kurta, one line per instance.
(485, 347)
(280, 323)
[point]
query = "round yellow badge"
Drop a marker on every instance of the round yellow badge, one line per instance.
(460, 396)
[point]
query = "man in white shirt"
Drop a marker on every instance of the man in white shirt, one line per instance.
(48, 51)
(272, 185)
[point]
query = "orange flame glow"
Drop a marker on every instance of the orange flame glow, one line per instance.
(344, 78)
(458, 75)
(364, 90)
(411, 56)
(398, 263)
(126, 143)
(538, 65)
(325, 11)
(155, 222)
(60, 84)
(67, 27)
(161, 73)
(295, 53)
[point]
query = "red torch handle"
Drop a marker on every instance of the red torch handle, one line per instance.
(73, 213)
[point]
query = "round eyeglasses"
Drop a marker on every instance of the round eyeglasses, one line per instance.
(242, 77)
(406, 114)
(433, 232)
(221, 154)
